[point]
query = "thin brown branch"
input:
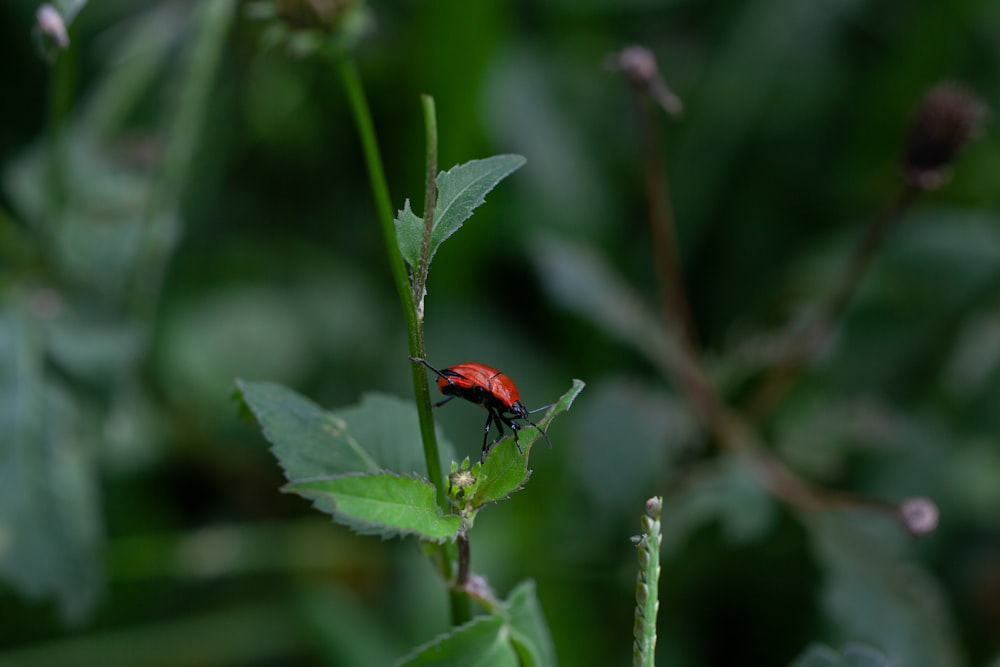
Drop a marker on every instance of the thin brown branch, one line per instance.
(814, 335)
(733, 432)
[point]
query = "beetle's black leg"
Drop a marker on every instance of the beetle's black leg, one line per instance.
(494, 418)
(440, 403)
(489, 422)
(515, 426)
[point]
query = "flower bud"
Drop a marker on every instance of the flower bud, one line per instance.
(919, 516)
(947, 119)
(52, 25)
(638, 65)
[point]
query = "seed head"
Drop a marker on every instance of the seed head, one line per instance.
(462, 479)
(949, 117)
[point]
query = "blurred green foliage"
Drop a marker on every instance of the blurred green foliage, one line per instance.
(183, 204)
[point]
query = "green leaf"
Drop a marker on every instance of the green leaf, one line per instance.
(516, 635)
(483, 642)
(307, 440)
(529, 633)
(872, 594)
(460, 190)
(383, 503)
(324, 456)
(505, 469)
(50, 525)
(410, 234)
(389, 428)
(852, 655)
(380, 433)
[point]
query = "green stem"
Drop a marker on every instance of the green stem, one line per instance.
(460, 611)
(383, 206)
(430, 204)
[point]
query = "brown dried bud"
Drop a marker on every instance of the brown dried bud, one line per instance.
(947, 119)
(919, 516)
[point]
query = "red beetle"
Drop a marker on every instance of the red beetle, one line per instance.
(488, 387)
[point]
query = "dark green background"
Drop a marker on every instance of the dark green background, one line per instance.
(795, 115)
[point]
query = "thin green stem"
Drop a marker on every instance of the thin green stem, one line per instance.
(460, 610)
(383, 205)
(380, 188)
(430, 203)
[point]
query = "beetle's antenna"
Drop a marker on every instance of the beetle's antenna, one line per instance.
(424, 362)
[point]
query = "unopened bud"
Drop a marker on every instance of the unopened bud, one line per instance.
(948, 118)
(52, 25)
(638, 65)
(919, 515)
(654, 506)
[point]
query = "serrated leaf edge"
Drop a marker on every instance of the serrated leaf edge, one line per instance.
(441, 213)
(349, 440)
(356, 524)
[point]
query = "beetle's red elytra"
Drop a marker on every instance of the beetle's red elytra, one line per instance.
(487, 387)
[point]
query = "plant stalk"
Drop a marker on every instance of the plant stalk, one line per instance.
(647, 595)
(733, 432)
(460, 611)
(430, 205)
(662, 228)
(464, 561)
(383, 205)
